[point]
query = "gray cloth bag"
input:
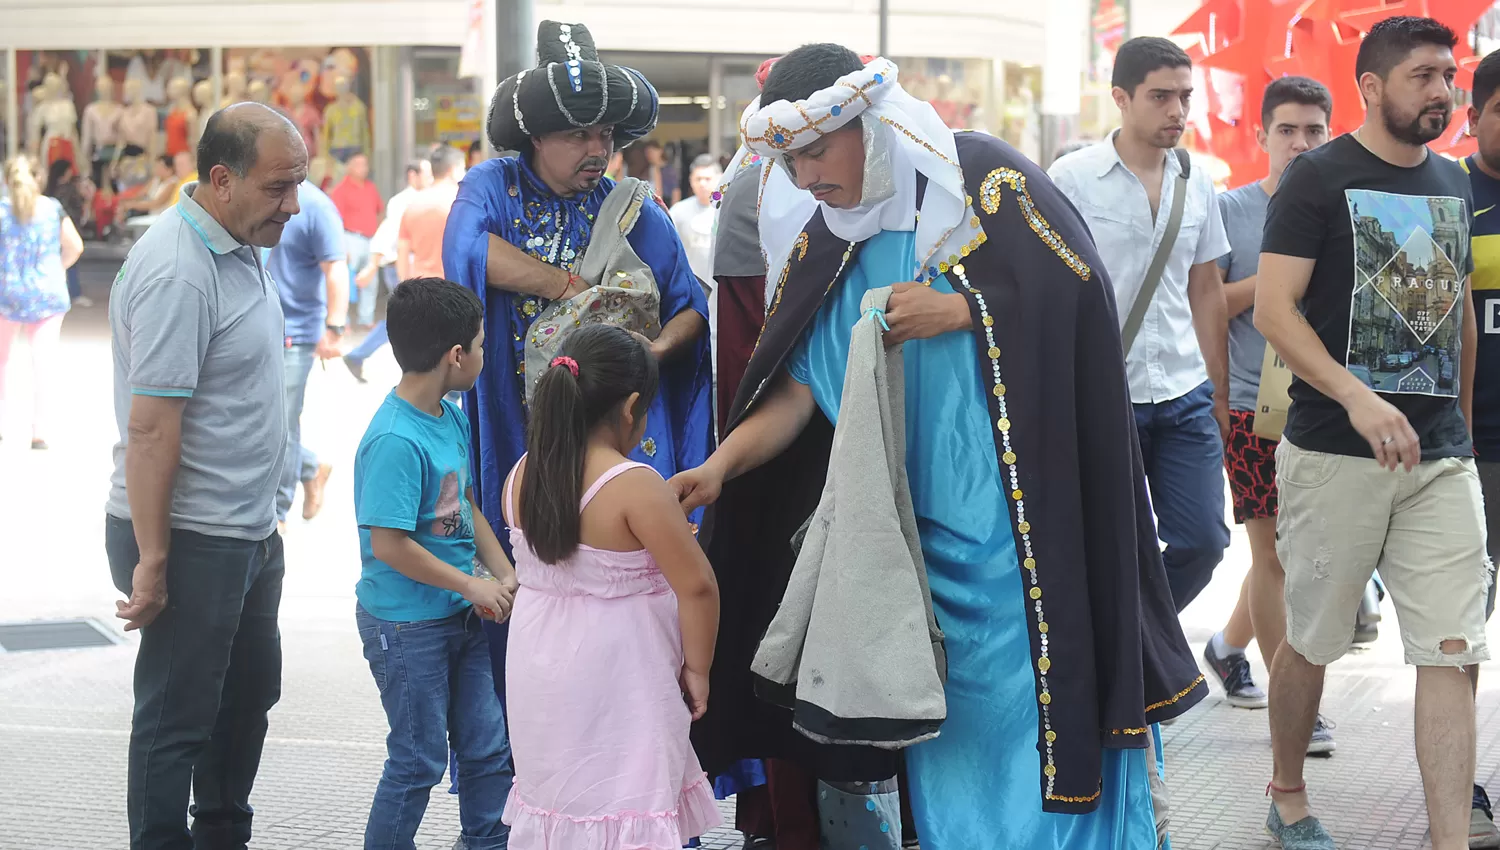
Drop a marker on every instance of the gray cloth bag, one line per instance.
(622, 289)
(855, 634)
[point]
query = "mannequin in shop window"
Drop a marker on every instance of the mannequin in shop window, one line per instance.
(54, 122)
(258, 92)
(101, 128)
(234, 88)
(182, 118)
(951, 104)
(346, 122)
(203, 94)
(155, 69)
(296, 92)
(138, 122)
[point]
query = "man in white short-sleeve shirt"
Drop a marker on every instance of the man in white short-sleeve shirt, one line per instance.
(1177, 365)
(197, 335)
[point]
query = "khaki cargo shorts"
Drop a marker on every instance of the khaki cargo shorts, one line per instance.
(1344, 517)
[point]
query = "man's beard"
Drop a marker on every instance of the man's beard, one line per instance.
(1414, 131)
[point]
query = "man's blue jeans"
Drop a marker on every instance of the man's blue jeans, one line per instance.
(357, 248)
(435, 683)
(377, 336)
(301, 464)
(207, 672)
(1184, 455)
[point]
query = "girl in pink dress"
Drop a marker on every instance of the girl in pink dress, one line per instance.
(613, 627)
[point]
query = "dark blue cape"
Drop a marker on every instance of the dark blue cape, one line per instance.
(506, 198)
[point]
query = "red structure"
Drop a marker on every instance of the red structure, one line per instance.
(1244, 44)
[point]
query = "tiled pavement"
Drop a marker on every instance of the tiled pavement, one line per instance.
(64, 715)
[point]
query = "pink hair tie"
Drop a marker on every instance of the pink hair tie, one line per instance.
(568, 362)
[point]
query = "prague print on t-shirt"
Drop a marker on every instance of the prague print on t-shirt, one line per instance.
(1407, 308)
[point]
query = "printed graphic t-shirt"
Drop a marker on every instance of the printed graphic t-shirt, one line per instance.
(1386, 294)
(411, 473)
(1486, 283)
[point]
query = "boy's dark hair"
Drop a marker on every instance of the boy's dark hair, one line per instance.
(1300, 90)
(809, 68)
(611, 364)
(426, 317)
(1390, 41)
(1486, 79)
(1142, 55)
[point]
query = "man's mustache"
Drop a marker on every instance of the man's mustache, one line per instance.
(593, 162)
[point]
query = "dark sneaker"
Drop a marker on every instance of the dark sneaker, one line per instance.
(356, 368)
(1305, 834)
(1482, 832)
(1322, 738)
(1233, 673)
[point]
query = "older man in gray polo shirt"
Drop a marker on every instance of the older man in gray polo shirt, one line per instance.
(191, 526)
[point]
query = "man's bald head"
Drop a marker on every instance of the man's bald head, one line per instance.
(231, 137)
(251, 160)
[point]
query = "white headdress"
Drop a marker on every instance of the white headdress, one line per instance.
(903, 136)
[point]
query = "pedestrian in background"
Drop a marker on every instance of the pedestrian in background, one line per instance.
(694, 217)
(38, 245)
(1125, 187)
(359, 205)
(381, 268)
(1295, 114)
(76, 194)
(419, 239)
(196, 331)
(312, 276)
(1484, 178)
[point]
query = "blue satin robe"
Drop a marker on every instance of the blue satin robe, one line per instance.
(506, 198)
(977, 783)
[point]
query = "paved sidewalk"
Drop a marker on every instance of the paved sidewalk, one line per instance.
(65, 715)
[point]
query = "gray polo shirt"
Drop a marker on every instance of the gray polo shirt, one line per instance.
(193, 314)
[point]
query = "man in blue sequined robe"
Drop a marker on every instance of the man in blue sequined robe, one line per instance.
(516, 236)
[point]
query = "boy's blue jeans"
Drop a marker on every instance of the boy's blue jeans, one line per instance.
(437, 688)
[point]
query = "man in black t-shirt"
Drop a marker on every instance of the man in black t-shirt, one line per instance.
(1370, 233)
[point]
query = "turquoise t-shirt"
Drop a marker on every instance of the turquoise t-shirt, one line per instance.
(412, 473)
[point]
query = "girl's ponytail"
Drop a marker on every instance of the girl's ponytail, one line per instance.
(555, 450)
(600, 366)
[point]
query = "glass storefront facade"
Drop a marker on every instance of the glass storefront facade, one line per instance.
(446, 108)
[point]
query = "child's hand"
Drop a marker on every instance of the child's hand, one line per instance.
(694, 692)
(492, 598)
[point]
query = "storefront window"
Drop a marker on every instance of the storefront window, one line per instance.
(104, 116)
(447, 109)
(739, 89)
(324, 90)
(1021, 123)
(959, 89)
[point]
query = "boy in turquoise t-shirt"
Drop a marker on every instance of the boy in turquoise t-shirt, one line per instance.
(419, 600)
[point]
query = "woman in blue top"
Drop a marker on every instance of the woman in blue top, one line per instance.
(38, 243)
